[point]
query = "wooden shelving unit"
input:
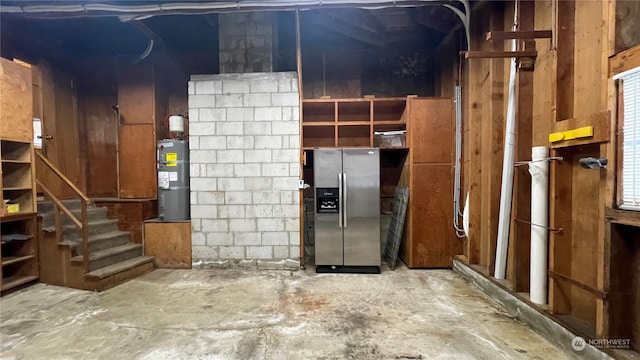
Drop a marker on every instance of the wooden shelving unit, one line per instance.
(423, 164)
(18, 228)
(19, 263)
(349, 122)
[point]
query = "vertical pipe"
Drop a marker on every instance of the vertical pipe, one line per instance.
(504, 219)
(456, 187)
(302, 154)
(539, 169)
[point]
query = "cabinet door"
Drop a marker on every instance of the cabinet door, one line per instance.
(431, 203)
(431, 130)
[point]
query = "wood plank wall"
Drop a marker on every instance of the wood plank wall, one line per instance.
(97, 97)
(570, 80)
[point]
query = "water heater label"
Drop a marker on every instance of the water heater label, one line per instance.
(172, 159)
(163, 179)
(173, 176)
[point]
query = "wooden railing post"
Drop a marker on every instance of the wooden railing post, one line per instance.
(58, 223)
(85, 237)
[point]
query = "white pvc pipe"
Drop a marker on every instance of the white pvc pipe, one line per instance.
(539, 170)
(457, 167)
(507, 176)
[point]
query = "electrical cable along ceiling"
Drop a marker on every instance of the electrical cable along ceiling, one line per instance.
(132, 11)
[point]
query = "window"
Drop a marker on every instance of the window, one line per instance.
(630, 85)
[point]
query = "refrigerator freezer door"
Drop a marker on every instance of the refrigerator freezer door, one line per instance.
(327, 165)
(361, 198)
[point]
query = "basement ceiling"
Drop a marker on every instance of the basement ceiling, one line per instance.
(398, 27)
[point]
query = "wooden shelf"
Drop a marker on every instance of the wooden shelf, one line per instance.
(354, 123)
(319, 123)
(389, 122)
(15, 151)
(623, 217)
(17, 188)
(23, 215)
(16, 280)
(349, 122)
(16, 259)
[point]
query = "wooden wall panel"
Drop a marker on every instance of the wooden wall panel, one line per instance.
(49, 146)
(137, 161)
(585, 207)
(101, 137)
(476, 77)
(565, 59)
(169, 244)
(136, 98)
(61, 128)
(70, 158)
(590, 44)
(16, 105)
(432, 121)
(431, 197)
(141, 124)
(97, 97)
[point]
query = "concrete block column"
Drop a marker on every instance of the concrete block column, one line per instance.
(248, 42)
(244, 147)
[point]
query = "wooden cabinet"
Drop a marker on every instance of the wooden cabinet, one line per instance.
(425, 164)
(349, 122)
(18, 218)
(429, 239)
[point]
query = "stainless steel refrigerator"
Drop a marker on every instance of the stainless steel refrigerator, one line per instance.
(347, 210)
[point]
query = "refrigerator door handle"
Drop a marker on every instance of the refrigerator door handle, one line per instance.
(340, 205)
(344, 178)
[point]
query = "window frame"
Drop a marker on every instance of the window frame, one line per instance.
(619, 191)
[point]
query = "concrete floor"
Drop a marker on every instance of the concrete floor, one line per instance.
(248, 314)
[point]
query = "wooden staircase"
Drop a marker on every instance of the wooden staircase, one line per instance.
(113, 258)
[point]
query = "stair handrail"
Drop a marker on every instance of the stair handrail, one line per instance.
(59, 206)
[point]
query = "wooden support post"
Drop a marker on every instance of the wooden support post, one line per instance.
(560, 172)
(560, 175)
(476, 77)
(520, 34)
(520, 234)
(499, 54)
(492, 143)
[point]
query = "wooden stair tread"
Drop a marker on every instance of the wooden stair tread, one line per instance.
(119, 267)
(97, 222)
(98, 237)
(101, 254)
